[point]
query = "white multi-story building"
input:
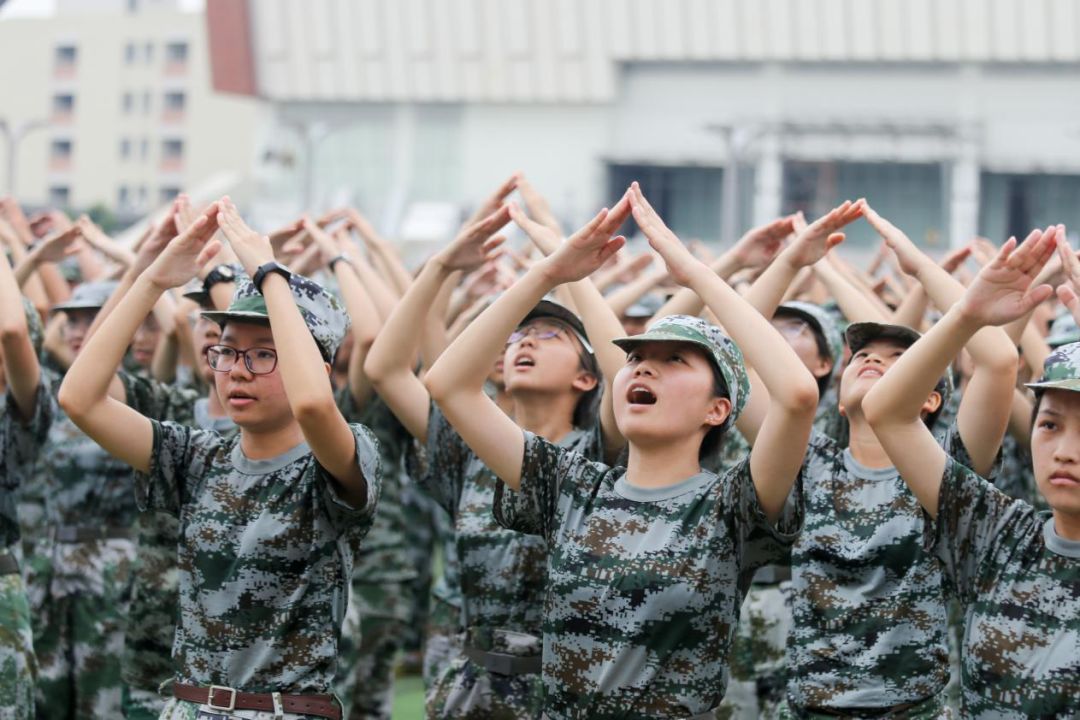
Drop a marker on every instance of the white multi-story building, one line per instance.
(953, 116)
(119, 99)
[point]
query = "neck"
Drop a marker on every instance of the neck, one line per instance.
(1067, 526)
(864, 445)
(548, 415)
(664, 464)
(263, 444)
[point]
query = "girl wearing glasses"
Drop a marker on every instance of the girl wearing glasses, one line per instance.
(267, 519)
(647, 564)
(552, 374)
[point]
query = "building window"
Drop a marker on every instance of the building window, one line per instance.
(173, 106)
(167, 194)
(63, 107)
(60, 155)
(148, 52)
(59, 196)
(146, 102)
(176, 57)
(129, 53)
(123, 196)
(125, 149)
(65, 58)
(172, 154)
(144, 149)
(142, 196)
(127, 102)
(133, 6)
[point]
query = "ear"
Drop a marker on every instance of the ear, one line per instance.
(932, 403)
(719, 409)
(329, 369)
(822, 368)
(584, 382)
(843, 413)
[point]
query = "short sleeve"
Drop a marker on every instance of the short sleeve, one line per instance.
(355, 521)
(448, 458)
(975, 521)
(764, 542)
(954, 446)
(546, 471)
(181, 457)
(159, 401)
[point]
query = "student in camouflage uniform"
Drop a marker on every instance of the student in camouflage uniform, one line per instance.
(79, 575)
(870, 620)
(647, 565)
(24, 421)
(268, 520)
(552, 374)
(1016, 570)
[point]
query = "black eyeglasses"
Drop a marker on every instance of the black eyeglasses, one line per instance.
(258, 360)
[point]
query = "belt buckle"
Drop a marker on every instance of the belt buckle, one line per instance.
(500, 663)
(214, 706)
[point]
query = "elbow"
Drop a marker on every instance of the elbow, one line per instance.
(13, 330)
(802, 397)
(375, 370)
(73, 403)
(874, 408)
(437, 388)
(315, 412)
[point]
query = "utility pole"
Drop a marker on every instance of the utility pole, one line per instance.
(13, 136)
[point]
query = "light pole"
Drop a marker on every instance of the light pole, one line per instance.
(13, 136)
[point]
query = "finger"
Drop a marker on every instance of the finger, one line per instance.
(211, 249)
(591, 227)
(834, 239)
(617, 215)
(496, 220)
(611, 247)
(493, 242)
(1034, 297)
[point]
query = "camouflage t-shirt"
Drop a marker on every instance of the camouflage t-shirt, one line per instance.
(869, 604)
(645, 583)
(20, 445)
(1020, 583)
(264, 557)
(501, 572)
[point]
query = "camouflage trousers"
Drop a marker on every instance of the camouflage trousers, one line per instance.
(421, 514)
(80, 592)
(152, 616)
(467, 691)
(442, 641)
(18, 667)
(933, 708)
(757, 661)
(372, 634)
(184, 710)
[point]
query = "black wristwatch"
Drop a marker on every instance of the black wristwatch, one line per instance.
(270, 267)
(338, 258)
(220, 274)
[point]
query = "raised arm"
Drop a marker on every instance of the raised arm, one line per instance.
(20, 359)
(389, 363)
(984, 410)
(84, 394)
(1000, 293)
(601, 323)
(456, 381)
(780, 445)
(304, 374)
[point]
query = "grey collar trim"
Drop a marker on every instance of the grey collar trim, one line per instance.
(248, 466)
(1058, 544)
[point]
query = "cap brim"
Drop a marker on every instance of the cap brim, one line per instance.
(60, 307)
(859, 335)
(199, 296)
(1072, 385)
(632, 341)
(223, 316)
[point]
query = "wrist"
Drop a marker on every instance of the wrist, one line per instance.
(963, 319)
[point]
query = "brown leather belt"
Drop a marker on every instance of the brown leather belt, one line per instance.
(9, 565)
(78, 534)
(226, 699)
(504, 664)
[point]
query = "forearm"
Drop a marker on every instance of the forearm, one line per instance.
(56, 287)
(166, 356)
(382, 296)
(365, 328)
(303, 374)
(913, 308)
(855, 306)
(768, 290)
(602, 326)
(464, 366)
(90, 268)
(435, 337)
(783, 373)
(628, 294)
(31, 286)
(87, 382)
(901, 392)
(20, 360)
(127, 281)
(396, 270)
(398, 342)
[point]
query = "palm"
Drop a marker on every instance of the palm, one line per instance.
(758, 246)
(1002, 292)
(583, 253)
(475, 243)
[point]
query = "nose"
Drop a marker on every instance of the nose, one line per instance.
(239, 369)
(644, 368)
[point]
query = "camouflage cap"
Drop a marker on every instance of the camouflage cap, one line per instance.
(821, 322)
(88, 296)
(196, 289)
(1061, 370)
(1063, 330)
(33, 325)
(322, 313)
(861, 334)
(721, 349)
(550, 309)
